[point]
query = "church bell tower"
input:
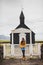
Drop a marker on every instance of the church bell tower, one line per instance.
(22, 18)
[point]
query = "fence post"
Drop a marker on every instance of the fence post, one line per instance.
(12, 50)
(39, 50)
(31, 45)
(4, 53)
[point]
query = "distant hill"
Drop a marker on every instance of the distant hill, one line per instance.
(3, 37)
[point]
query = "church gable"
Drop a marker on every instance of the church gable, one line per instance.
(21, 30)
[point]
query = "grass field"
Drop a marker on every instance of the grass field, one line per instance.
(4, 41)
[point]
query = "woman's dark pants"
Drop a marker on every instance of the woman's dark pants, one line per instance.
(23, 51)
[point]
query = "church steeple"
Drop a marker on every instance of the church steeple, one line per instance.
(22, 18)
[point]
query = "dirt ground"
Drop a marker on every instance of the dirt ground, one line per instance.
(21, 62)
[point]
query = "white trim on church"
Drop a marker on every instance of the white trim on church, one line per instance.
(21, 30)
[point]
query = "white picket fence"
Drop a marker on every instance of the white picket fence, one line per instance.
(13, 50)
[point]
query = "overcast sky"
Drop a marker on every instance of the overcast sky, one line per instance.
(10, 11)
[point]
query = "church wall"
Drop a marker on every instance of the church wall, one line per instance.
(11, 38)
(28, 38)
(33, 38)
(16, 38)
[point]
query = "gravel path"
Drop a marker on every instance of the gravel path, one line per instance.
(21, 62)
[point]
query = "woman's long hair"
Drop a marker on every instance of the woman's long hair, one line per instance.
(23, 41)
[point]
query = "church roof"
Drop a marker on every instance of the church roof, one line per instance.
(22, 22)
(22, 26)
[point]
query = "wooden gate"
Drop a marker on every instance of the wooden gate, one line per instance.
(1, 52)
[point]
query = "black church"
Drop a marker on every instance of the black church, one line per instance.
(22, 31)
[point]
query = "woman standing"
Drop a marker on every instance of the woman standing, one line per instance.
(22, 46)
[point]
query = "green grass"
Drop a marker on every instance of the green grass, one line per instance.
(38, 41)
(7, 41)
